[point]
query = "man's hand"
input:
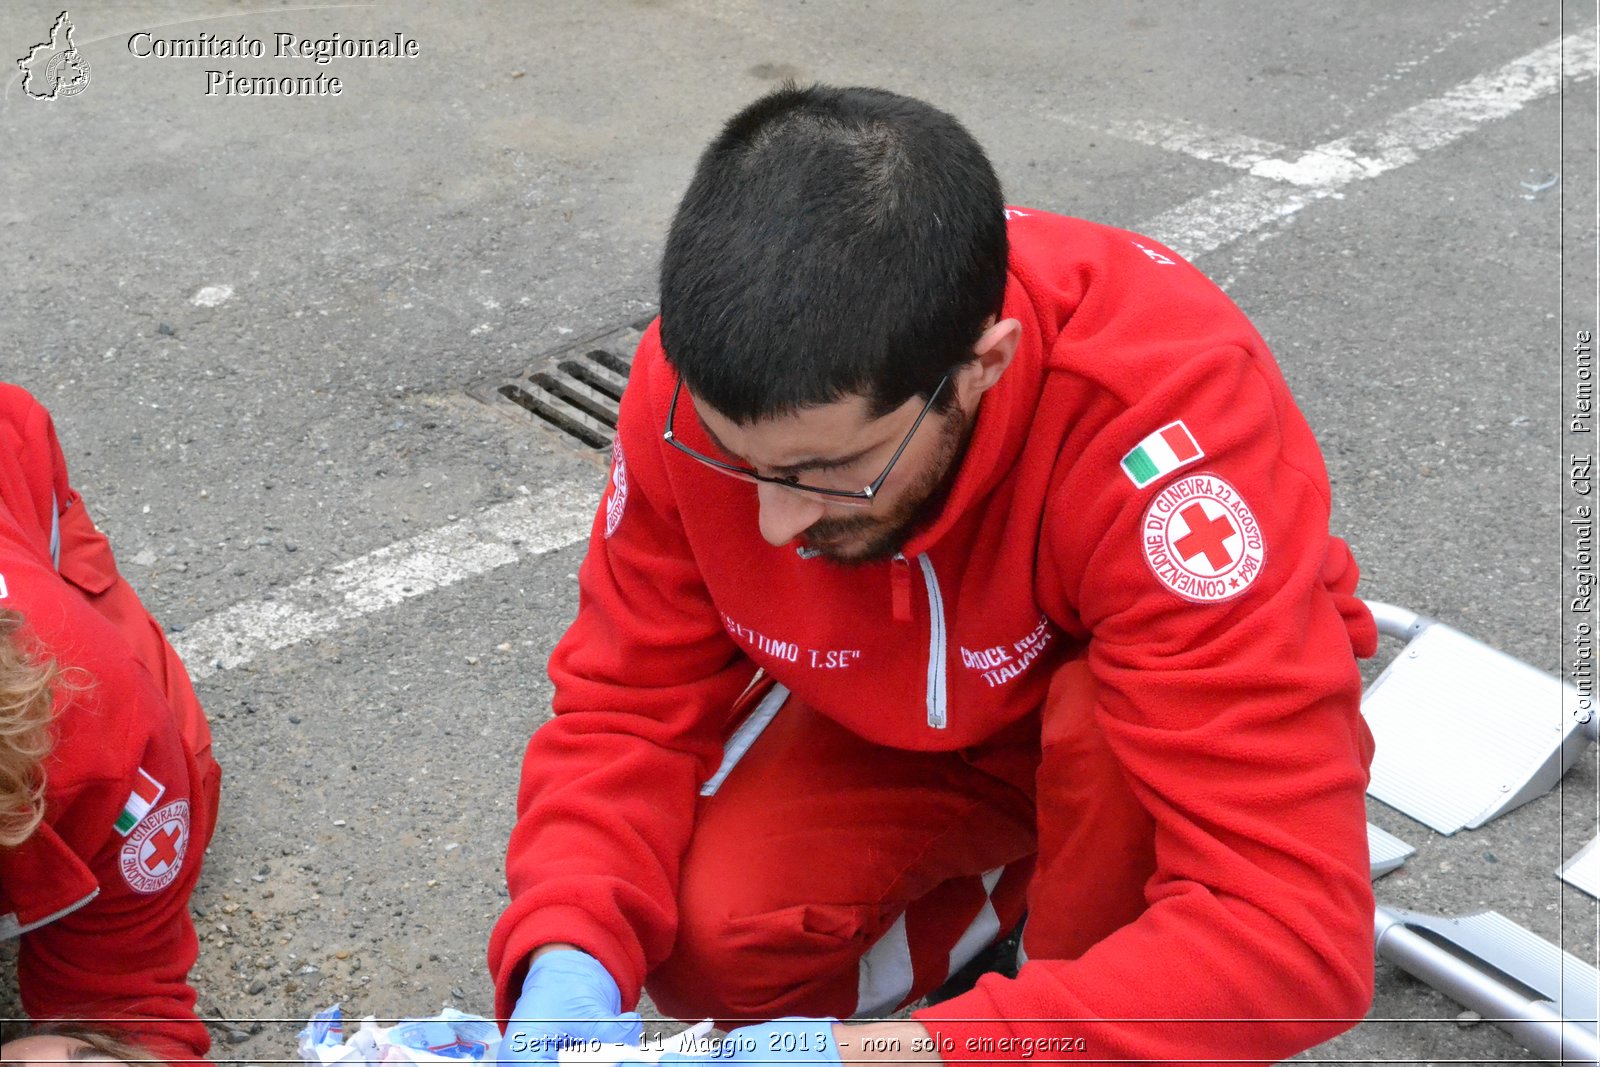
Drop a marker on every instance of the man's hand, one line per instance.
(566, 999)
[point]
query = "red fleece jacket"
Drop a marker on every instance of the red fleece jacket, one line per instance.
(101, 906)
(1217, 615)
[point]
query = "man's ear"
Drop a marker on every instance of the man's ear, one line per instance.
(991, 355)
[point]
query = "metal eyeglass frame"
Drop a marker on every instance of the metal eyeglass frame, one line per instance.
(857, 498)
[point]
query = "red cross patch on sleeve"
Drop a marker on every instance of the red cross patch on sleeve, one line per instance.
(618, 498)
(153, 854)
(1201, 540)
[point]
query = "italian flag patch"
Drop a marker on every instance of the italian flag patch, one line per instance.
(146, 791)
(1163, 452)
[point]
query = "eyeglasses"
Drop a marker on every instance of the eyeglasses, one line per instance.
(853, 498)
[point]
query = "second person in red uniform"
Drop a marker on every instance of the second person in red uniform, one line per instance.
(110, 789)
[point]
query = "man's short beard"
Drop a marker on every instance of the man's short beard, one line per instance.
(918, 503)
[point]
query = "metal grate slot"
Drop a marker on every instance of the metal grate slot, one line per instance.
(611, 361)
(586, 374)
(601, 409)
(574, 392)
(555, 417)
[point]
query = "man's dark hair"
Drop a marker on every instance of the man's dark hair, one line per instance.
(833, 242)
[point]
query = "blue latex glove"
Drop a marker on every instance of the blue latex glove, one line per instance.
(567, 996)
(793, 1040)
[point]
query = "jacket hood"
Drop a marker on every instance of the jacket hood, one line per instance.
(28, 497)
(1004, 415)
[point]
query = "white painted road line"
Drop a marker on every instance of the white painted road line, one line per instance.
(551, 518)
(1438, 122)
(1237, 150)
(560, 515)
(1275, 188)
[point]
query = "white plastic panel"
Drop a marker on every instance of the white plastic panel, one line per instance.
(1466, 732)
(1387, 851)
(1583, 870)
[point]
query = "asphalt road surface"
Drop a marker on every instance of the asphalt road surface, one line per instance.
(257, 320)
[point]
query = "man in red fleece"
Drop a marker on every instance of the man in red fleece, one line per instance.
(98, 892)
(957, 561)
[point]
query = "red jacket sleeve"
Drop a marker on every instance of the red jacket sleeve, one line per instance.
(125, 956)
(644, 681)
(1237, 725)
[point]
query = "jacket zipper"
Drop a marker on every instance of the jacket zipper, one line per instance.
(900, 590)
(10, 927)
(55, 531)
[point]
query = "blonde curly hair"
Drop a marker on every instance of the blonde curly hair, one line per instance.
(27, 692)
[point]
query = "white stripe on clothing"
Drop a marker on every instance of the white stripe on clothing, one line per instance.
(886, 973)
(985, 928)
(745, 736)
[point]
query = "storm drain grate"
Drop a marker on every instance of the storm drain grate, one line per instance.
(574, 392)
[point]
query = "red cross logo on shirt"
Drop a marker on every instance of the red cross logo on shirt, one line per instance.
(1201, 540)
(152, 855)
(163, 848)
(1205, 535)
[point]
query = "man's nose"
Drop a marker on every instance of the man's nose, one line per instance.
(785, 513)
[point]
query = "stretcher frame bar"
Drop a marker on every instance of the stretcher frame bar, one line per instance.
(1497, 993)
